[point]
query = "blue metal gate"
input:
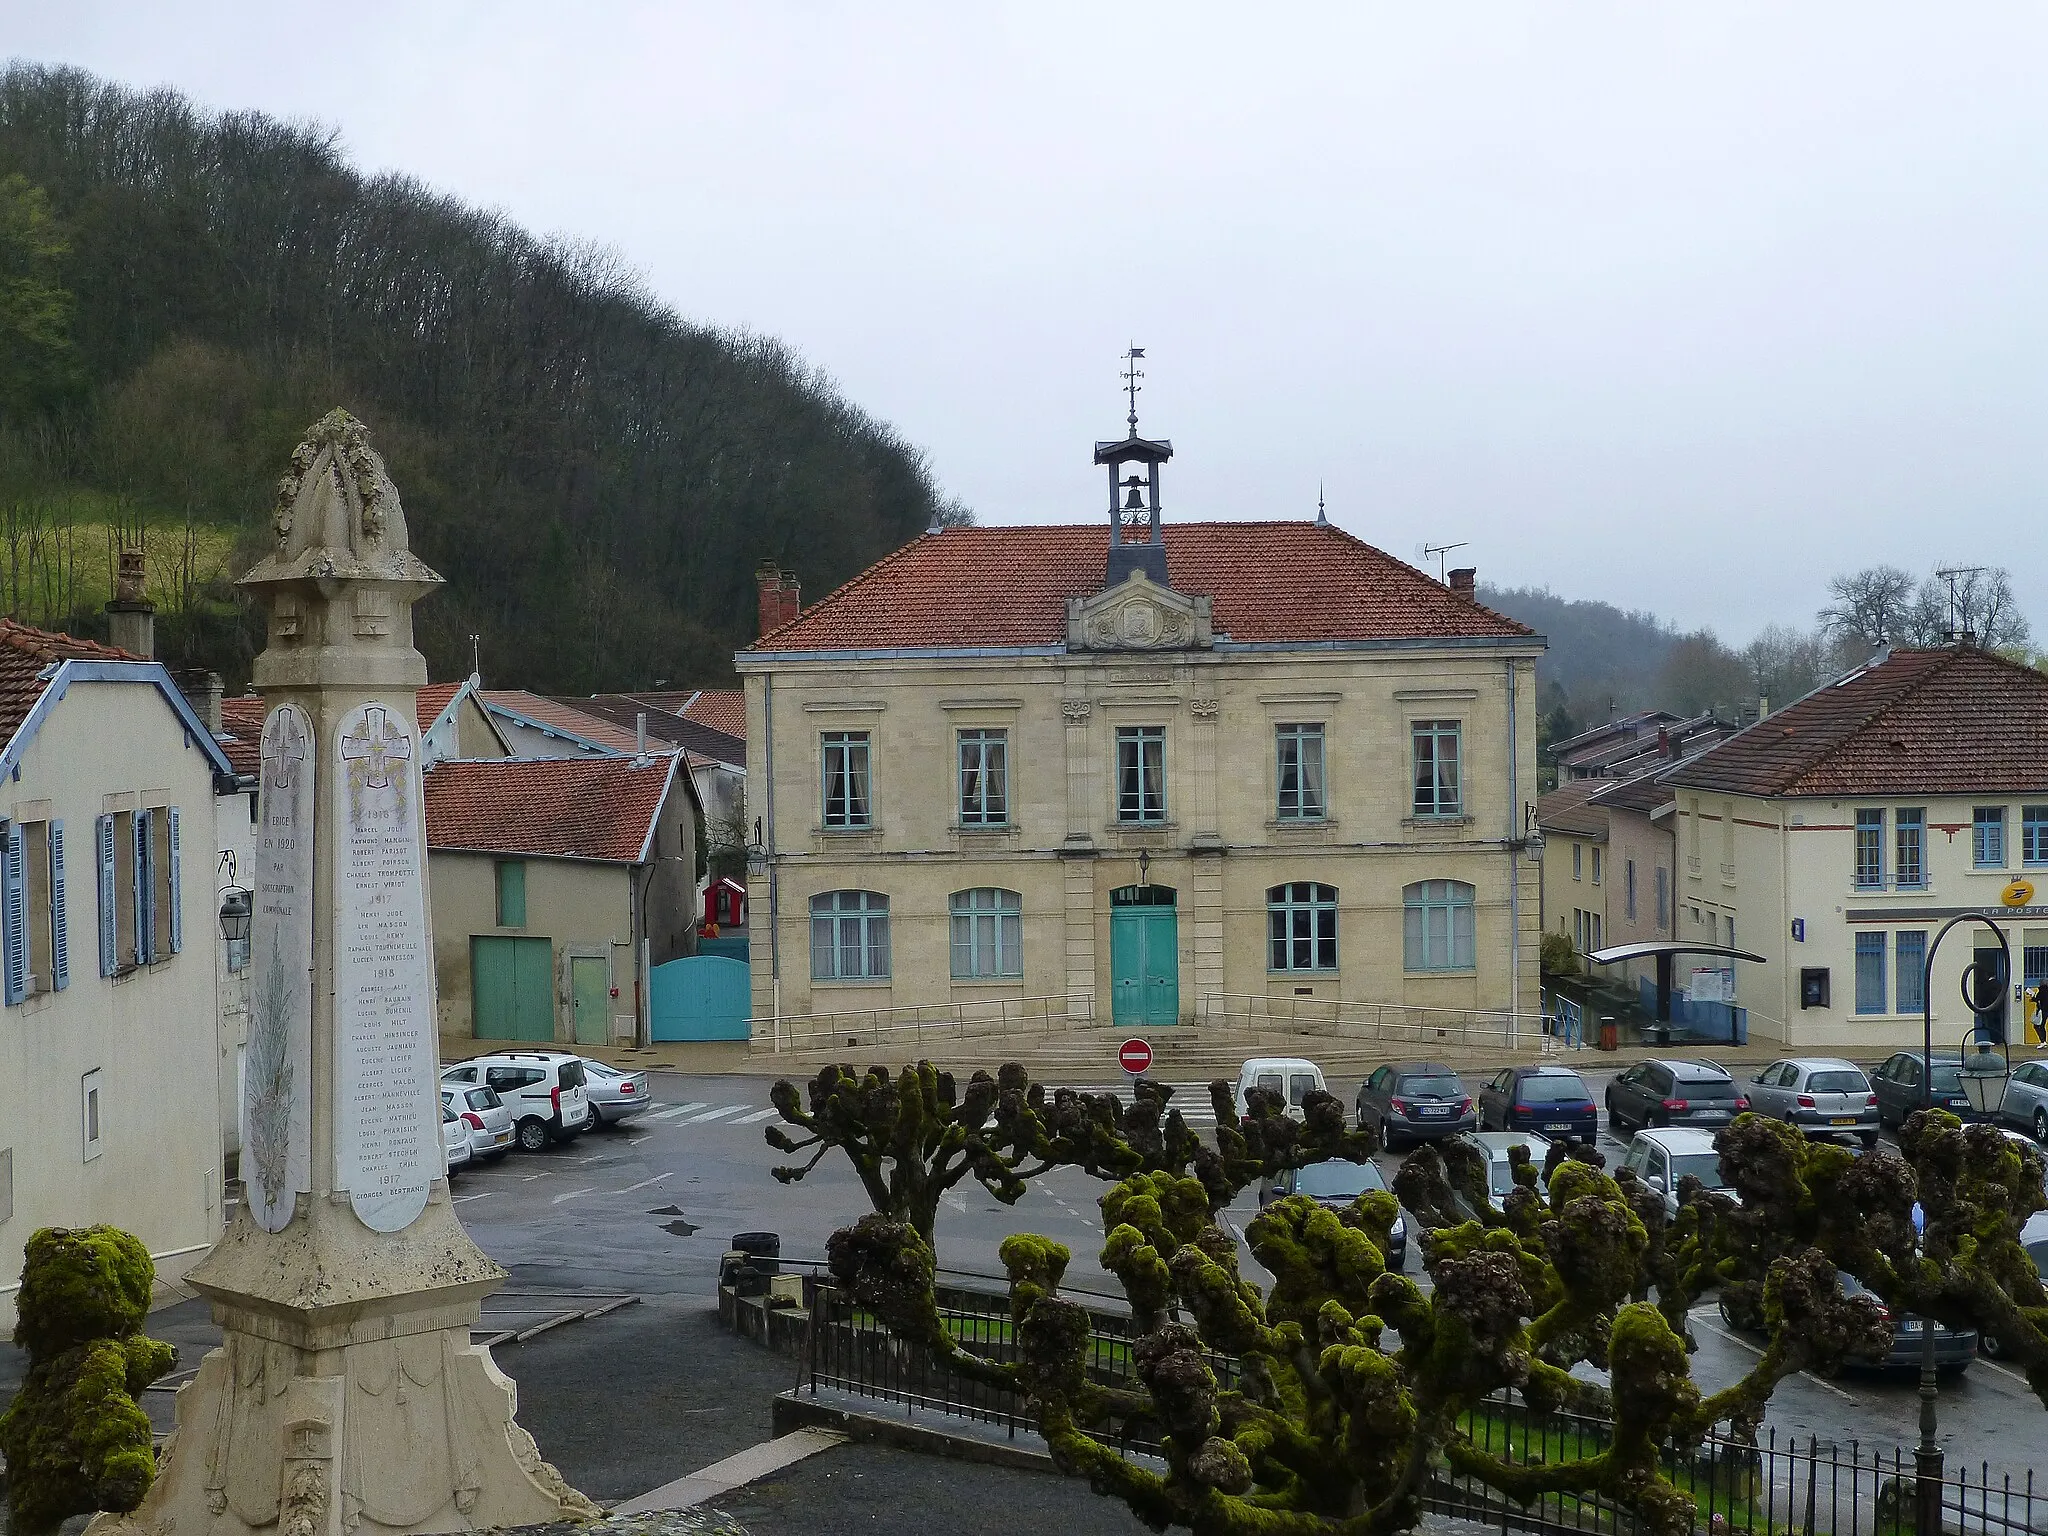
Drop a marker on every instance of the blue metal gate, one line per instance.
(700, 997)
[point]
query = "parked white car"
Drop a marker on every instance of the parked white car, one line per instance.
(543, 1089)
(454, 1139)
(1289, 1076)
(615, 1096)
(489, 1121)
(1661, 1156)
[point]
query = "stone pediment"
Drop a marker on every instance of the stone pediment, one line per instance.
(1138, 615)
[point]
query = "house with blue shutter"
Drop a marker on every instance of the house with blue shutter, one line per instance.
(109, 1054)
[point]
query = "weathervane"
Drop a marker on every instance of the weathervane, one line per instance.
(1131, 374)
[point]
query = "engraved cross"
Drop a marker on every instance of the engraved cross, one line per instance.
(285, 746)
(378, 746)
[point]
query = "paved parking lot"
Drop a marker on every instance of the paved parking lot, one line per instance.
(650, 1207)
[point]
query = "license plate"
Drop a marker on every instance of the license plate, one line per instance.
(1843, 1120)
(1559, 1125)
(1909, 1325)
(1438, 1111)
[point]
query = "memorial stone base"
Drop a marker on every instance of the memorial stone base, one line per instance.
(346, 1397)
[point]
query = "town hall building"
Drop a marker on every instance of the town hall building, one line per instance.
(1140, 772)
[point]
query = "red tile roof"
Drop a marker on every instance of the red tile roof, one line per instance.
(241, 731)
(433, 700)
(723, 709)
(24, 653)
(1564, 809)
(598, 808)
(963, 587)
(1949, 721)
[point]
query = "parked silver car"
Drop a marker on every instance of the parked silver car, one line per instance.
(1493, 1146)
(1661, 1157)
(1820, 1095)
(2026, 1100)
(615, 1096)
(454, 1139)
(486, 1117)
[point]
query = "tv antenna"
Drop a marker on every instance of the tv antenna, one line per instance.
(1131, 374)
(1426, 552)
(1951, 574)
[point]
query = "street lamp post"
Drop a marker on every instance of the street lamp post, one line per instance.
(1927, 1459)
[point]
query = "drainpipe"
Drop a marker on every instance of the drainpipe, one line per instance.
(774, 870)
(1514, 871)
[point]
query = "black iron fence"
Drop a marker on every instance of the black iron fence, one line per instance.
(1779, 1487)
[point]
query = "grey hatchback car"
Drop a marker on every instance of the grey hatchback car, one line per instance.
(2026, 1100)
(1819, 1095)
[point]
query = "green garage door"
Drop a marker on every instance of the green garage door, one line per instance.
(512, 988)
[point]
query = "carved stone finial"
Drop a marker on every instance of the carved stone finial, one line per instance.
(337, 514)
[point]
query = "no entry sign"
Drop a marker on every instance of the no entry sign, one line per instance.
(1135, 1057)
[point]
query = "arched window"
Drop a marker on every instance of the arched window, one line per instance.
(988, 934)
(850, 936)
(1436, 930)
(1301, 927)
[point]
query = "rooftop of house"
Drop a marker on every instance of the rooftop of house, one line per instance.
(1627, 727)
(703, 742)
(602, 809)
(723, 709)
(24, 654)
(1564, 810)
(1298, 582)
(568, 718)
(1950, 720)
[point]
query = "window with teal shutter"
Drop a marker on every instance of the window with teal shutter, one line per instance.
(170, 906)
(60, 919)
(14, 915)
(110, 906)
(511, 893)
(144, 890)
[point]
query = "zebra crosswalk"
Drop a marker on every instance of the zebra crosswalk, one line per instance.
(703, 1112)
(1191, 1099)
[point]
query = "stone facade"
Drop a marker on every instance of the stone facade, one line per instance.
(1131, 658)
(109, 1086)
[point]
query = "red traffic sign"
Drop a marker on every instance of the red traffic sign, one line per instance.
(1134, 1056)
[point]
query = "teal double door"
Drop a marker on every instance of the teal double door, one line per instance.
(1144, 957)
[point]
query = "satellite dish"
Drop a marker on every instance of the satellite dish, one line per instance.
(1421, 555)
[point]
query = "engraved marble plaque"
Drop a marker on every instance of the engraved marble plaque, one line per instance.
(277, 1082)
(387, 1104)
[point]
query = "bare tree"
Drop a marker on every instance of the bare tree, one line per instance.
(1872, 607)
(1971, 600)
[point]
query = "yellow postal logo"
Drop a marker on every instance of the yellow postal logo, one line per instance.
(2019, 894)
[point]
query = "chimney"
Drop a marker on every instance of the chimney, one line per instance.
(1464, 578)
(1763, 706)
(1663, 741)
(211, 690)
(780, 600)
(131, 616)
(640, 735)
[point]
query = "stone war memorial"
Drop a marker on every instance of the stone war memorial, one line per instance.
(346, 1395)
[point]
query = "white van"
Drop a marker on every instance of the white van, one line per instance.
(1290, 1076)
(543, 1089)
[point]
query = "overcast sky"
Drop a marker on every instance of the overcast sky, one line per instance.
(1681, 307)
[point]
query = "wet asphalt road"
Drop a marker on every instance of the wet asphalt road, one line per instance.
(650, 1207)
(656, 1390)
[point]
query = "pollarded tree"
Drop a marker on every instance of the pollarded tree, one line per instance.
(1352, 1383)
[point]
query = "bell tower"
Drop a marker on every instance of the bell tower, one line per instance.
(1135, 541)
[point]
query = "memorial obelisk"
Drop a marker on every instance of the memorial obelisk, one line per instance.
(346, 1397)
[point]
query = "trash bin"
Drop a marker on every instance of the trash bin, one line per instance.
(1610, 1033)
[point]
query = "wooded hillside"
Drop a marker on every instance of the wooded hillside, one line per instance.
(181, 293)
